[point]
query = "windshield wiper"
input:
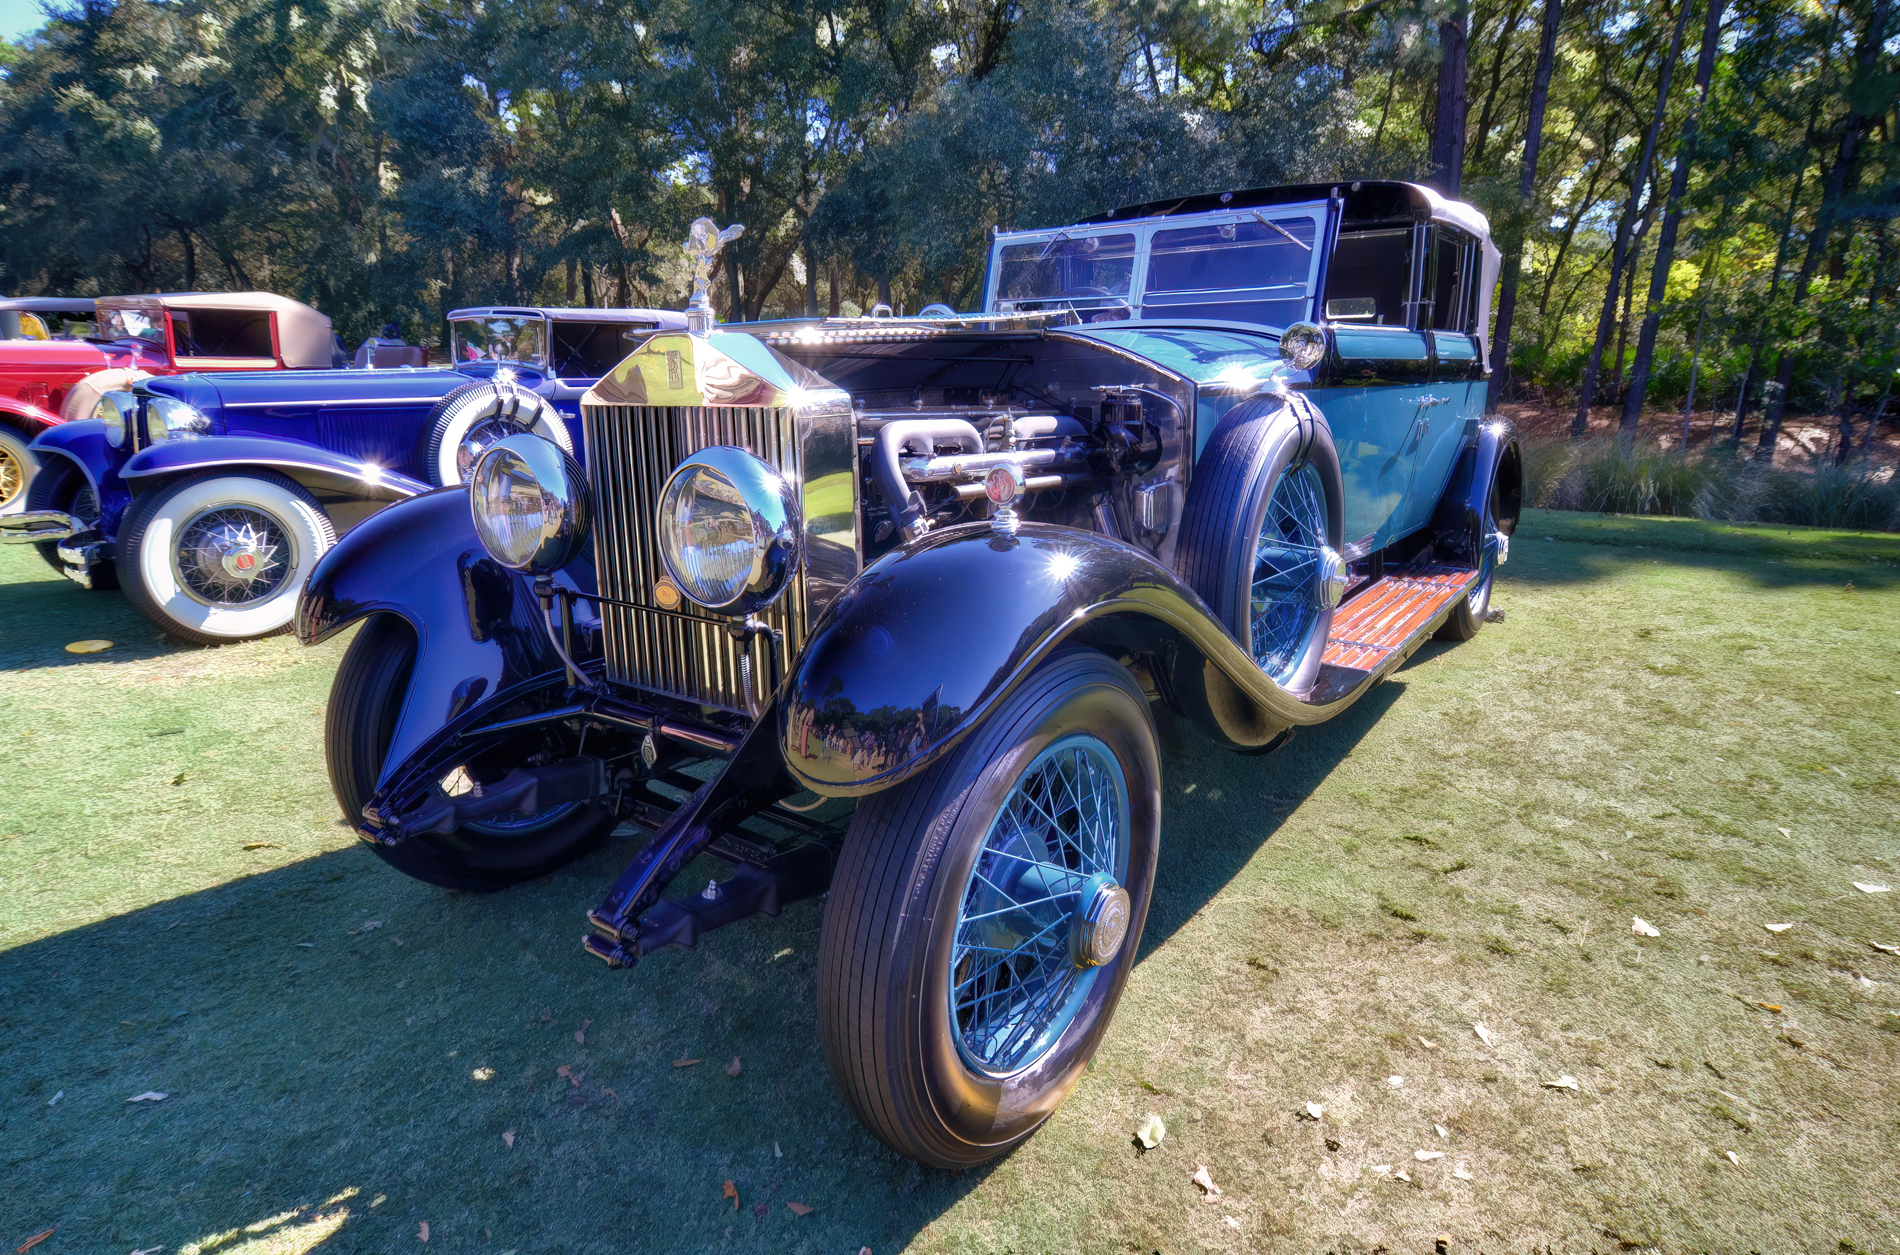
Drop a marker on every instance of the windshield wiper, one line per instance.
(1282, 230)
(1060, 237)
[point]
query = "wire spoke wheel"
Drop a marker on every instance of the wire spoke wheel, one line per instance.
(1287, 557)
(232, 556)
(12, 476)
(1015, 983)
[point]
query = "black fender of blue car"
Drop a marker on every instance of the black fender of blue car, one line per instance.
(478, 625)
(919, 649)
(313, 466)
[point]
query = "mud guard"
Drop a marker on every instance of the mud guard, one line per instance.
(917, 651)
(1458, 522)
(83, 444)
(478, 626)
(29, 418)
(312, 466)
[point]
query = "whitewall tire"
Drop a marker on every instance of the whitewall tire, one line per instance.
(476, 415)
(222, 556)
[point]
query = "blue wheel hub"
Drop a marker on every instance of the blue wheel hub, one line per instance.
(1044, 909)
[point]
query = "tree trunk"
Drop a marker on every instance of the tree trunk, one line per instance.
(1672, 220)
(1520, 222)
(1639, 181)
(1448, 122)
(835, 302)
(1503, 38)
(811, 281)
(884, 290)
(1623, 322)
(1854, 128)
(587, 285)
(572, 279)
(191, 259)
(1774, 287)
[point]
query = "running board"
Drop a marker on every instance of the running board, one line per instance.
(1381, 626)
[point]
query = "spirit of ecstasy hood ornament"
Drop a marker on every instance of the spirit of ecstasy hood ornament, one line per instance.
(702, 245)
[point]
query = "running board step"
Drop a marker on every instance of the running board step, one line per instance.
(1381, 626)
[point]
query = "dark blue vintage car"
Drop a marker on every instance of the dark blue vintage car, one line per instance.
(881, 608)
(209, 497)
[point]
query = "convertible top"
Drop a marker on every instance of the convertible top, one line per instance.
(304, 337)
(651, 317)
(1366, 199)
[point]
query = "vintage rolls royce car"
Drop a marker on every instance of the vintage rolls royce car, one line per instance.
(48, 381)
(883, 607)
(208, 498)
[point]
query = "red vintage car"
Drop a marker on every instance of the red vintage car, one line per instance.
(43, 382)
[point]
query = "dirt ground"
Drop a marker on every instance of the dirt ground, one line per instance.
(227, 1029)
(1804, 438)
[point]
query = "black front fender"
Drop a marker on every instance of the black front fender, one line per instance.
(921, 647)
(478, 626)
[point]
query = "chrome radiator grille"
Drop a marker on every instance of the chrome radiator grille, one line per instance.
(631, 450)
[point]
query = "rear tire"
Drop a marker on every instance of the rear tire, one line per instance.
(1261, 533)
(366, 701)
(476, 415)
(184, 546)
(1503, 501)
(946, 1054)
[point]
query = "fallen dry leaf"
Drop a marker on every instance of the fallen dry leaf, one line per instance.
(150, 1250)
(733, 1069)
(776, 1152)
(1881, 945)
(1865, 887)
(368, 926)
(686, 1063)
(1770, 1006)
(547, 1015)
(422, 1232)
(731, 1191)
(508, 1139)
(259, 845)
(1461, 1174)
(1314, 1110)
(568, 1072)
(1484, 1034)
(35, 1240)
(1151, 1131)
(1643, 928)
(1230, 1222)
(580, 1034)
(1867, 984)
(800, 1209)
(1733, 1157)
(1395, 1081)
(1209, 1191)
(1443, 1132)
(1428, 1043)
(1566, 1081)
(1777, 928)
(1402, 1175)
(1425, 1155)
(1784, 832)
(55, 1098)
(150, 1095)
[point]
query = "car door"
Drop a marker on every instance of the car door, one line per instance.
(1457, 394)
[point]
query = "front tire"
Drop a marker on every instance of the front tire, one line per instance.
(18, 465)
(366, 700)
(62, 486)
(217, 558)
(985, 915)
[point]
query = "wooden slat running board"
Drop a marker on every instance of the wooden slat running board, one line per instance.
(1382, 618)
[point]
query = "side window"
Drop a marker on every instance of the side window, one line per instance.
(1369, 277)
(223, 333)
(1453, 280)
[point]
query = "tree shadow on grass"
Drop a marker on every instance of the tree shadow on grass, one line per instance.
(347, 1053)
(1560, 548)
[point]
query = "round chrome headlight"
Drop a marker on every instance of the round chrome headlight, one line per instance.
(115, 411)
(729, 530)
(1303, 346)
(167, 418)
(530, 502)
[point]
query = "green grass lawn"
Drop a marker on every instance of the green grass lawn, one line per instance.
(1694, 724)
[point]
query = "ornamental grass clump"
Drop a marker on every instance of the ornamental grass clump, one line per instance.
(1718, 485)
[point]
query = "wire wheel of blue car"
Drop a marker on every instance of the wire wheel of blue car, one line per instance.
(1261, 534)
(474, 416)
(985, 914)
(366, 700)
(220, 557)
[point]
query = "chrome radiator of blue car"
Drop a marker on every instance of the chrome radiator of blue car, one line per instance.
(687, 654)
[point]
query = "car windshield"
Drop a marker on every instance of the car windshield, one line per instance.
(516, 339)
(1083, 272)
(132, 324)
(1247, 271)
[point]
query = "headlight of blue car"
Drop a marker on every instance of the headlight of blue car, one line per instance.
(115, 410)
(170, 419)
(531, 505)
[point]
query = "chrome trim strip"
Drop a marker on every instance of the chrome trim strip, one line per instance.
(272, 405)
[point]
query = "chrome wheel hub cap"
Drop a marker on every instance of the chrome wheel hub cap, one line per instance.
(230, 556)
(1100, 923)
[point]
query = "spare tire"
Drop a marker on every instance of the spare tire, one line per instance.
(83, 397)
(476, 415)
(1261, 534)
